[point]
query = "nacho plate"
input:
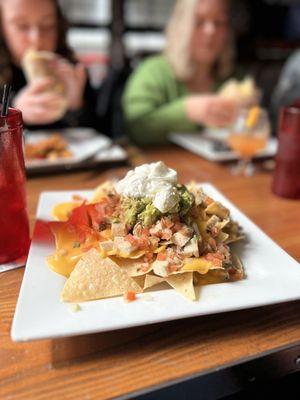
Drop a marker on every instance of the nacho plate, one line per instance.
(41, 314)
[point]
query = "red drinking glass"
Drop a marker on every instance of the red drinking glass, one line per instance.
(286, 182)
(14, 225)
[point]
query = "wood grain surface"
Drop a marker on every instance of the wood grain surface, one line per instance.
(112, 364)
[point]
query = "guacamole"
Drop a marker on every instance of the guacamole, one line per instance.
(142, 210)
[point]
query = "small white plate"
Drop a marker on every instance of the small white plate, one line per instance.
(272, 277)
(204, 144)
(83, 143)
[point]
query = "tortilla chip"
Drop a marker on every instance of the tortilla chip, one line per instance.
(62, 211)
(102, 190)
(97, 278)
(222, 237)
(133, 256)
(131, 266)
(200, 265)
(183, 284)
(233, 239)
(140, 280)
(239, 269)
(216, 208)
(212, 277)
(152, 280)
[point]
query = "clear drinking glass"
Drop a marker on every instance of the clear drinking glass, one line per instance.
(14, 226)
(248, 136)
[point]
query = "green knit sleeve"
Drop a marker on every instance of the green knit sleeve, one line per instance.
(153, 106)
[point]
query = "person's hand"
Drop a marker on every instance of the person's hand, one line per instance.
(74, 79)
(40, 105)
(211, 110)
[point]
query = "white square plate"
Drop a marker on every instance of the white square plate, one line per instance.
(204, 144)
(272, 277)
(84, 143)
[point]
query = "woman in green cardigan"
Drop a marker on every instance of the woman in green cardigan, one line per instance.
(176, 91)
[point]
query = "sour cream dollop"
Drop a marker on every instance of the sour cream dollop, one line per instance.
(153, 181)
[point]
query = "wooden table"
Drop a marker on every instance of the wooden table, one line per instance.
(113, 364)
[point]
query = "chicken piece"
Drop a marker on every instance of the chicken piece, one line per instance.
(123, 246)
(118, 229)
(106, 246)
(160, 268)
(156, 229)
(181, 237)
(191, 248)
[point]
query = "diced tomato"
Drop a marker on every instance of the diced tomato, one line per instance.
(143, 243)
(172, 268)
(129, 296)
(208, 200)
(214, 231)
(234, 274)
(166, 223)
(166, 234)
(212, 243)
(131, 239)
(145, 232)
(215, 259)
(148, 257)
(177, 226)
(219, 255)
(145, 267)
(161, 256)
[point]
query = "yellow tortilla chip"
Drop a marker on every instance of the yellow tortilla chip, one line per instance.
(183, 284)
(200, 265)
(134, 255)
(212, 277)
(132, 267)
(62, 211)
(140, 280)
(216, 208)
(233, 239)
(152, 280)
(222, 237)
(97, 278)
(102, 190)
(240, 274)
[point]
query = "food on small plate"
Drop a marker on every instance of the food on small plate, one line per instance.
(39, 64)
(143, 231)
(244, 90)
(51, 148)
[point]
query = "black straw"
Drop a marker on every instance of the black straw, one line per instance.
(5, 100)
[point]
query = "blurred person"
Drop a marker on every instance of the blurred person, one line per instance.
(24, 25)
(287, 90)
(177, 90)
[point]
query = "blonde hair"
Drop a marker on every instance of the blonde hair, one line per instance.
(178, 36)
